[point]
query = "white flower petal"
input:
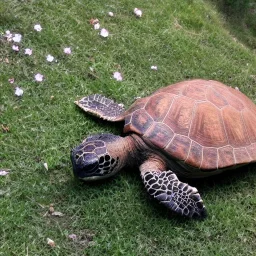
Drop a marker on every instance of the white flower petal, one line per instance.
(39, 77)
(154, 67)
(38, 27)
(15, 48)
(72, 236)
(67, 50)
(111, 14)
(118, 76)
(104, 32)
(96, 26)
(18, 91)
(50, 242)
(45, 166)
(3, 173)
(17, 38)
(49, 58)
(11, 80)
(8, 35)
(28, 51)
(137, 12)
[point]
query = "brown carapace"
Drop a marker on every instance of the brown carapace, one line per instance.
(206, 124)
(191, 129)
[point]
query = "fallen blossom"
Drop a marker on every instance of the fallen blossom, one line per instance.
(118, 76)
(111, 14)
(28, 51)
(237, 88)
(8, 35)
(104, 32)
(3, 173)
(38, 27)
(51, 242)
(57, 214)
(94, 21)
(11, 80)
(96, 26)
(49, 58)
(137, 12)
(67, 50)
(45, 166)
(18, 91)
(39, 77)
(15, 48)
(72, 236)
(154, 67)
(17, 38)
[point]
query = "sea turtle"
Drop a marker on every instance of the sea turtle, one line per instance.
(191, 129)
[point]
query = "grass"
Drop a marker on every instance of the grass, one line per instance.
(185, 39)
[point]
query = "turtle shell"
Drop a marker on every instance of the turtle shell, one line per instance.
(206, 124)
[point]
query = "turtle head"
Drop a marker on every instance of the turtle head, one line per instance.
(97, 157)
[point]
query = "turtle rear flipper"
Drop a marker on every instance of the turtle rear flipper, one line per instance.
(102, 107)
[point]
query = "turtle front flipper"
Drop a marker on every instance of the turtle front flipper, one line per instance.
(174, 194)
(102, 107)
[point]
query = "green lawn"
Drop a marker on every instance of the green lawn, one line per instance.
(184, 39)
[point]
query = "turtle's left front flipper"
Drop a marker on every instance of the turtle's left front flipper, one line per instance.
(174, 194)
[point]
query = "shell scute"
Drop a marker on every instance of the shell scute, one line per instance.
(216, 98)
(226, 157)
(159, 134)
(207, 126)
(251, 149)
(196, 90)
(195, 155)
(234, 125)
(179, 147)
(241, 156)
(210, 158)
(250, 121)
(180, 115)
(140, 122)
(158, 105)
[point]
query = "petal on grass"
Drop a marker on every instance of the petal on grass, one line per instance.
(50, 242)
(96, 26)
(17, 38)
(3, 173)
(137, 12)
(104, 32)
(15, 48)
(49, 58)
(118, 76)
(67, 50)
(11, 80)
(72, 236)
(39, 77)
(45, 166)
(28, 51)
(111, 14)
(18, 91)
(153, 67)
(38, 27)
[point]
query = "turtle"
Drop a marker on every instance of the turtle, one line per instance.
(190, 129)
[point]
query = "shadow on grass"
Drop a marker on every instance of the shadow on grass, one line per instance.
(241, 19)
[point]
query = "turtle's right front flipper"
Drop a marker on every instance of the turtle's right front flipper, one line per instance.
(174, 194)
(102, 107)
